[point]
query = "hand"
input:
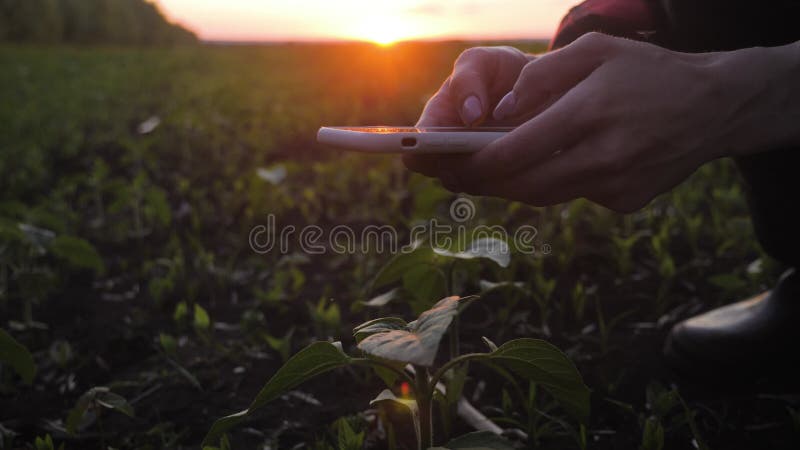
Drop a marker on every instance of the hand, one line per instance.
(481, 76)
(626, 121)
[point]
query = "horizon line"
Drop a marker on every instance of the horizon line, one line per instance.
(431, 40)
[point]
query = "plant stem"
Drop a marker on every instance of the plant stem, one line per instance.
(454, 344)
(450, 364)
(454, 327)
(424, 405)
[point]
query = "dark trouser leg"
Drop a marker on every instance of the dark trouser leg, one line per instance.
(757, 336)
(772, 184)
(771, 178)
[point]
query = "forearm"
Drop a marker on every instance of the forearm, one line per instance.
(762, 86)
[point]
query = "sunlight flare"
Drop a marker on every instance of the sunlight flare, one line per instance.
(385, 29)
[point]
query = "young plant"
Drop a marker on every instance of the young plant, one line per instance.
(17, 357)
(623, 252)
(91, 406)
(428, 272)
(46, 443)
(604, 328)
(665, 410)
(390, 345)
(660, 243)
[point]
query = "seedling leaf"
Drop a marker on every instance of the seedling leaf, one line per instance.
(538, 361)
(17, 356)
(114, 401)
(201, 319)
(419, 341)
(381, 325)
(490, 248)
(317, 358)
(400, 264)
(347, 438)
(425, 283)
(492, 346)
(381, 300)
(77, 252)
(94, 397)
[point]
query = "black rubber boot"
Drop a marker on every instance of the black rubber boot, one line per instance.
(741, 341)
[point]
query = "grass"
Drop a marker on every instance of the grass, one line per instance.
(125, 261)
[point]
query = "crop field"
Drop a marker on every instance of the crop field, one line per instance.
(138, 190)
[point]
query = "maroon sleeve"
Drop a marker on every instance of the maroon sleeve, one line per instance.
(635, 19)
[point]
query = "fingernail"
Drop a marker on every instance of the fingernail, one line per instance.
(471, 110)
(506, 106)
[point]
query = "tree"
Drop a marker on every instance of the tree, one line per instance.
(135, 22)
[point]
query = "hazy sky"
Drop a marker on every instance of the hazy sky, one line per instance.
(375, 20)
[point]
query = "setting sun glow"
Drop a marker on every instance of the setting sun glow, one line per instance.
(384, 29)
(381, 21)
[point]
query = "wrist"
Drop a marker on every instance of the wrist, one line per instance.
(761, 97)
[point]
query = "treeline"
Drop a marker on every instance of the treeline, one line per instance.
(136, 22)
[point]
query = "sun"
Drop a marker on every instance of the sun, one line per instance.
(384, 30)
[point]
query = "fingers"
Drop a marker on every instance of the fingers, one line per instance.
(552, 182)
(558, 128)
(439, 111)
(480, 76)
(551, 75)
(468, 84)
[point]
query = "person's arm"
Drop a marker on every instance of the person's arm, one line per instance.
(628, 120)
(767, 86)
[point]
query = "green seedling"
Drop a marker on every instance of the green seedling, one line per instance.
(17, 356)
(660, 245)
(652, 435)
(453, 382)
(623, 252)
(46, 443)
(543, 294)
(693, 226)
(61, 353)
(91, 406)
(604, 327)
(506, 297)
(282, 345)
(731, 285)
(326, 317)
(390, 344)
(665, 412)
(536, 421)
(347, 438)
(428, 272)
(580, 294)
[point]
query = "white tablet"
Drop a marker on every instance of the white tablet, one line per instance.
(387, 139)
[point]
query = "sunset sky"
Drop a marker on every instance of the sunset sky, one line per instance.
(376, 20)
